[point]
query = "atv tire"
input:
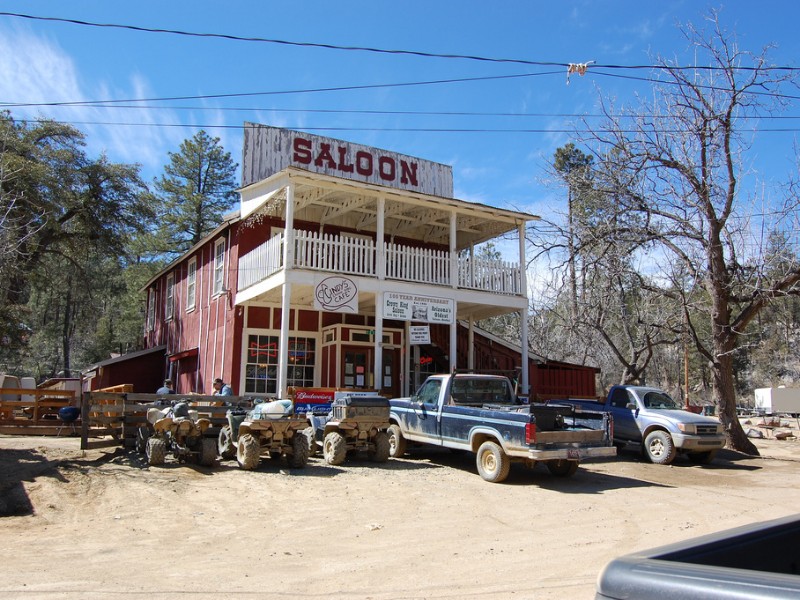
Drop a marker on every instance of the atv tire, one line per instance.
(156, 451)
(248, 452)
(225, 446)
(142, 435)
(299, 456)
(208, 452)
(334, 448)
(312, 441)
(382, 447)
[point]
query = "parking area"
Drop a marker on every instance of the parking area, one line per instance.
(103, 524)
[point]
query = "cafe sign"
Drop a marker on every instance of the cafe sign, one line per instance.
(336, 294)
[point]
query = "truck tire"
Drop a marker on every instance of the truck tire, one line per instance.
(562, 468)
(493, 463)
(312, 441)
(397, 443)
(208, 452)
(702, 458)
(225, 446)
(334, 448)
(659, 447)
(248, 452)
(299, 456)
(156, 451)
(382, 447)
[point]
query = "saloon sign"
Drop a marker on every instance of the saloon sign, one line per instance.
(268, 150)
(411, 307)
(336, 294)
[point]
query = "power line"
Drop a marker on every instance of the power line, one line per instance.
(377, 129)
(379, 50)
(276, 93)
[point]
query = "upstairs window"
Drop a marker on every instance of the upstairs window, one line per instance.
(191, 284)
(151, 310)
(169, 299)
(219, 266)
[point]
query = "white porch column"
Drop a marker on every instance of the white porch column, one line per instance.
(378, 341)
(453, 251)
(380, 246)
(454, 337)
(471, 344)
(523, 280)
(286, 296)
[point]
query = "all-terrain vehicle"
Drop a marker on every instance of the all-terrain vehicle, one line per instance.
(270, 429)
(356, 423)
(179, 431)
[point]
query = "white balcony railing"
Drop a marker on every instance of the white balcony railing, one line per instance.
(357, 256)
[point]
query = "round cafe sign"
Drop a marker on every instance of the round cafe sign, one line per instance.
(336, 294)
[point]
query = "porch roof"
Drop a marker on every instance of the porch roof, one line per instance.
(329, 200)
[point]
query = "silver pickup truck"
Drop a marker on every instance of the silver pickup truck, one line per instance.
(650, 419)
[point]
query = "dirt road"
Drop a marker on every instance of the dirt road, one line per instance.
(104, 525)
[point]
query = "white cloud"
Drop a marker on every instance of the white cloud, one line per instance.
(36, 70)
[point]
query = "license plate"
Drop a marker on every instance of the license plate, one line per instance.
(573, 453)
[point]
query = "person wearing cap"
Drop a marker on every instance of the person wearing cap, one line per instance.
(221, 388)
(166, 388)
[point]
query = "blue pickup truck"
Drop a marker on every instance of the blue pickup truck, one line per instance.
(482, 414)
(651, 420)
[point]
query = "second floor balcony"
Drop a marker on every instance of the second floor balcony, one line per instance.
(357, 256)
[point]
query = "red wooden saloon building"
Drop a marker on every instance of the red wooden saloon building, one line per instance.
(346, 267)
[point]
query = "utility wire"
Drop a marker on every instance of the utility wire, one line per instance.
(375, 129)
(377, 50)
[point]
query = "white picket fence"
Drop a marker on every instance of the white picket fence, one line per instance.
(357, 256)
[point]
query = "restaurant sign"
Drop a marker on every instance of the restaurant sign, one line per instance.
(336, 294)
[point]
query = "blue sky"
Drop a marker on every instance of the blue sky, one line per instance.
(43, 62)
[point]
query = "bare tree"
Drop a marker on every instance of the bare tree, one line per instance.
(677, 163)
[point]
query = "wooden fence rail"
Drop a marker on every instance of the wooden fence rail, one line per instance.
(32, 411)
(117, 416)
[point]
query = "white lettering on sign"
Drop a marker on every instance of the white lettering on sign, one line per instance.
(336, 294)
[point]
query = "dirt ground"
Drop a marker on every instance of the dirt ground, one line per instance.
(102, 524)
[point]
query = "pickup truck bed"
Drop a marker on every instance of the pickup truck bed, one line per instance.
(754, 561)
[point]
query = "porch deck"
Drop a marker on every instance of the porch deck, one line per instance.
(346, 255)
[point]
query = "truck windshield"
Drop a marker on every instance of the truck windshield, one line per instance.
(659, 400)
(470, 390)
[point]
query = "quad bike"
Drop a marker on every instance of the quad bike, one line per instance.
(177, 430)
(268, 429)
(355, 424)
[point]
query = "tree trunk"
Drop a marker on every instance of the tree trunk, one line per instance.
(724, 395)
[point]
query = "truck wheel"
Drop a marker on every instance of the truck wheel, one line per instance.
(562, 468)
(312, 441)
(156, 451)
(382, 447)
(702, 458)
(493, 463)
(397, 443)
(334, 448)
(659, 447)
(208, 452)
(299, 457)
(225, 446)
(248, 452)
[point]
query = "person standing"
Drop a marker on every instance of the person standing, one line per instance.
(165, 389)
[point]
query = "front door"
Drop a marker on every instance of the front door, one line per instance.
(357, 365)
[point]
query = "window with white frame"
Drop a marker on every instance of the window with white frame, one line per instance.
(169, 298)
(219, 266)
(151, 309)
(191, 284)
(261, 363)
